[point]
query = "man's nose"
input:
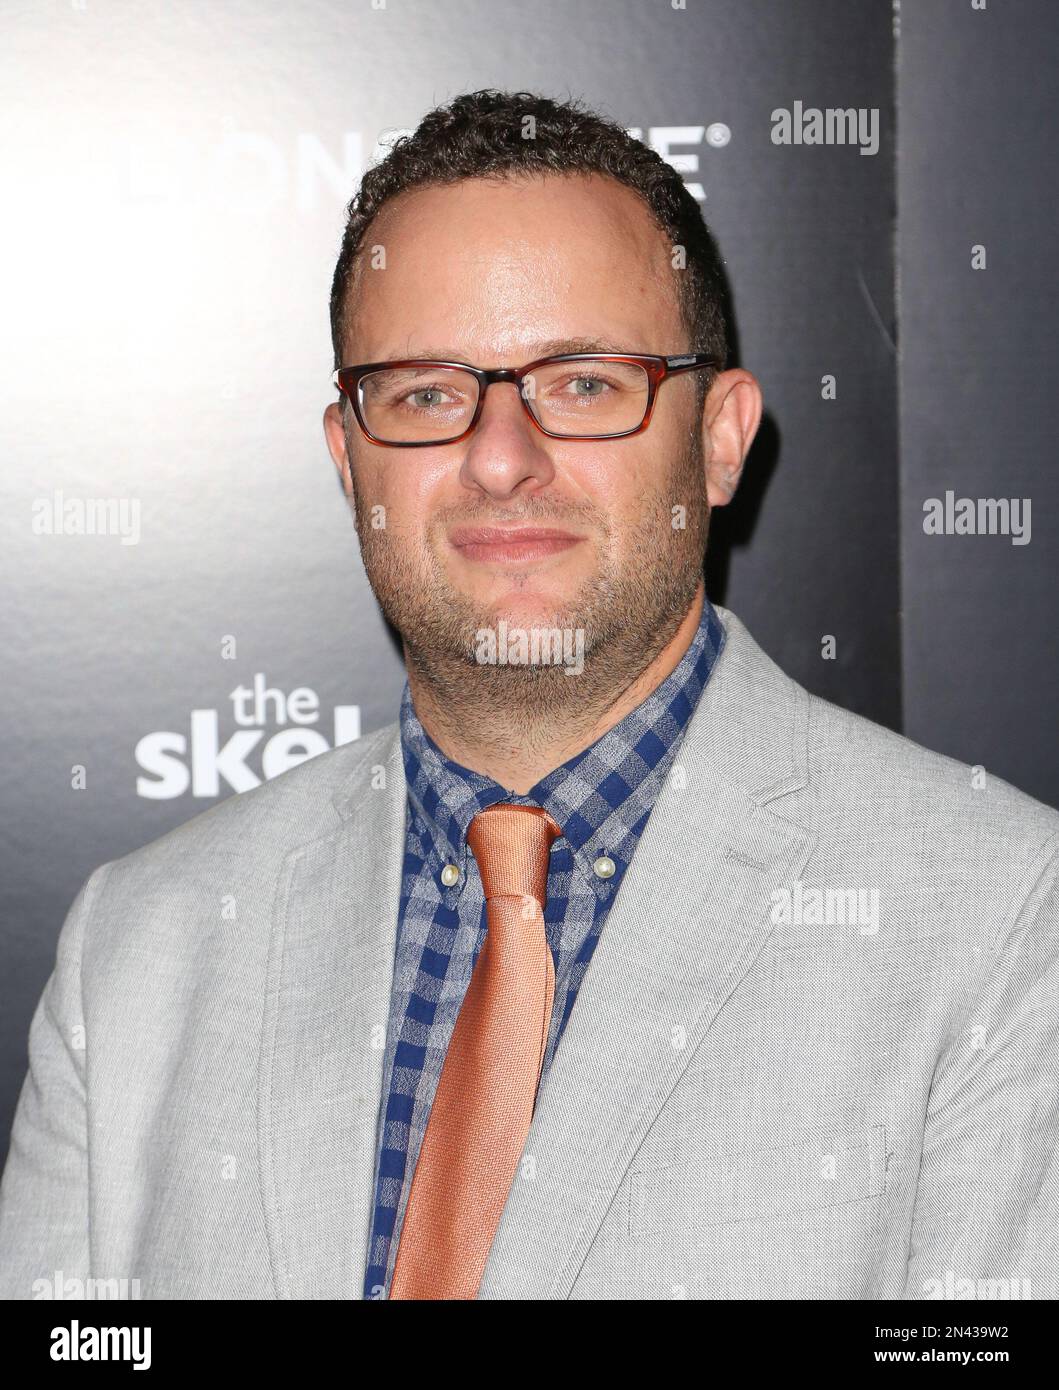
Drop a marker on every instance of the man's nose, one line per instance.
(506, 448)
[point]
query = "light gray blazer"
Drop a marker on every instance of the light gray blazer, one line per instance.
(747, 1102)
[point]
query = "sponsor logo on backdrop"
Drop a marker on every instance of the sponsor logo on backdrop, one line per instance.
(309, 171)
(275, 731)
(662, 139)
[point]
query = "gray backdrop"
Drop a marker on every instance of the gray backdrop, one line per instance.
(175, 177)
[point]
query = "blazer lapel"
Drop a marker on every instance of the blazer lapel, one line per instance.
(691, 916)
(327, 1002)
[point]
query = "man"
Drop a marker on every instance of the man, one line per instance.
(619, 966)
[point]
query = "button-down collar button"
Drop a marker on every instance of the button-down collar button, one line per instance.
(449, 875)
(604, 867)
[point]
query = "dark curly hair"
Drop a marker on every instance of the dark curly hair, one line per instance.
(480, 134)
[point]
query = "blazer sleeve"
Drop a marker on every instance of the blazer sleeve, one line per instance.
(44, 1206)
(987, 1202)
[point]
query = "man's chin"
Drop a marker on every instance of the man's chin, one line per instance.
(541, 608)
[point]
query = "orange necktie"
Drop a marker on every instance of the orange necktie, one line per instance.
(484, 1101)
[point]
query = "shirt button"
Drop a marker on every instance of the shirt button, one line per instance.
(604, 867)
(449, 874)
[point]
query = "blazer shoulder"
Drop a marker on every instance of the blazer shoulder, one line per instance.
(860, 761)
(868, 792)
(299, 805)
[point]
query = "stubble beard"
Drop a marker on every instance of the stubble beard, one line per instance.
(627, 611)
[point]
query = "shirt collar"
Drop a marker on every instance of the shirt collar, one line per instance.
(601, 797)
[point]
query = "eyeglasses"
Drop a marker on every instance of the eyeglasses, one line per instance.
(417, 402)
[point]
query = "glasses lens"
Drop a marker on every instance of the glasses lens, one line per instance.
(419, 404)
(592, 396)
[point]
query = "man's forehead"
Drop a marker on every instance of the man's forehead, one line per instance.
(452, 285)
(592, 218)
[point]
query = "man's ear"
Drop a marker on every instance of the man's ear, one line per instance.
(335, 434)
(730, 418)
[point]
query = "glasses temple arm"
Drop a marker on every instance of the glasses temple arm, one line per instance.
(689, 362)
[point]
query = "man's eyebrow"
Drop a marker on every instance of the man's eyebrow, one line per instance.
(552, 347)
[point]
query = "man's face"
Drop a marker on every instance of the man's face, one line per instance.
(496, 275)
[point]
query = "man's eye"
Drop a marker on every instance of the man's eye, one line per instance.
(587, 387)
(423, 398)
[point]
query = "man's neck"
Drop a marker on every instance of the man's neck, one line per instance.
(518, 764)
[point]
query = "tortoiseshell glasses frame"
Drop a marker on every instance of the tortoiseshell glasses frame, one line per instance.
(657, 368)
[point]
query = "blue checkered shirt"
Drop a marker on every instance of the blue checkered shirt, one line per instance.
(602, 798)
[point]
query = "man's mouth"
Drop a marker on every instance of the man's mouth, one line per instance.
(511, 544)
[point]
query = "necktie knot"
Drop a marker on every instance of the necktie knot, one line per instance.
(510, 845)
